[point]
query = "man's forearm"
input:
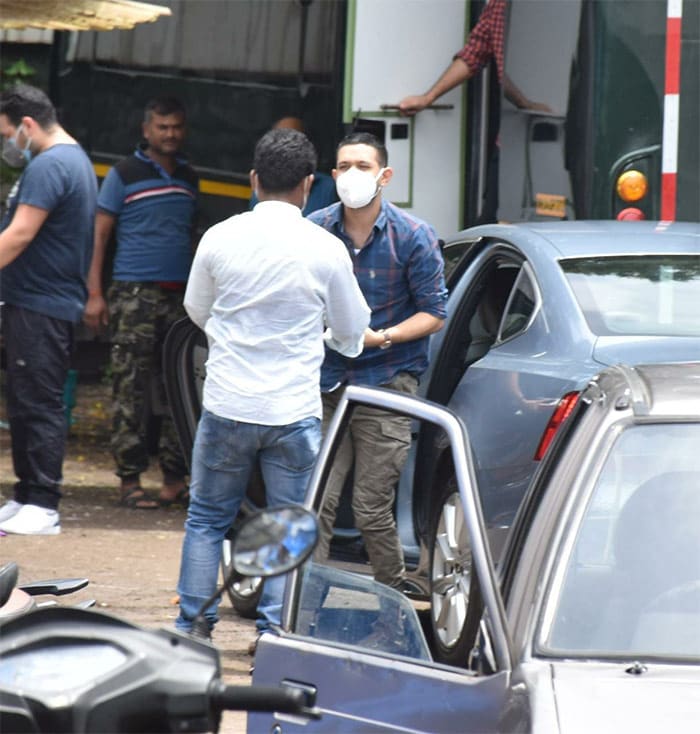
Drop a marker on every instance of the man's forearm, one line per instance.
(456, 73)
(416, 327)
(19, 234)
(13, 243)
(94, 278)
(419, 325)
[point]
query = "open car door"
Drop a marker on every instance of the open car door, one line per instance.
(357, 647)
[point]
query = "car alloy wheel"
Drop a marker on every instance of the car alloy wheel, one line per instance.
(450, 578)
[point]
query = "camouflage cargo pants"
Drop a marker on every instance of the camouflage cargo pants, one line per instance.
(140, 316)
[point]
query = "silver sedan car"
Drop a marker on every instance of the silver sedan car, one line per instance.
(590, 622)
(534, 311)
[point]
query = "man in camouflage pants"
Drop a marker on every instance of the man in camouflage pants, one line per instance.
(142, 313)
(148, 200)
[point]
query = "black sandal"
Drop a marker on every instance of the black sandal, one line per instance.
(137, 498)
(181, 499)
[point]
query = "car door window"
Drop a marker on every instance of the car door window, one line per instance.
(352, 609)
(337, 601)
(521, 306)
(488, 315)
(456, 261)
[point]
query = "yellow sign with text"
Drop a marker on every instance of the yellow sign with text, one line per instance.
(550, 205)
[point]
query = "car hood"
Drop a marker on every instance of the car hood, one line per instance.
(610, 350)
(603, 697)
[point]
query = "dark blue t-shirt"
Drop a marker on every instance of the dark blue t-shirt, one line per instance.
(49, 276)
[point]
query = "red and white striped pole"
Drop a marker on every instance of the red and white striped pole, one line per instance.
(669, 152)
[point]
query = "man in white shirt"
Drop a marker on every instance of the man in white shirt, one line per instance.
(264, 285)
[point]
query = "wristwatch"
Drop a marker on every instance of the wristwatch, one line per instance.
(387, 339)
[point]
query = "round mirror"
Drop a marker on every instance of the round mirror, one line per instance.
(274, 541)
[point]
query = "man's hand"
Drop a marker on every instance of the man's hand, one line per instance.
(96, 314)
(408, 106)
(540, 107)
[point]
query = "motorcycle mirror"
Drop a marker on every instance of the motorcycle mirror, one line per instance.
(270, 542)
(274, 541)
(8, 580)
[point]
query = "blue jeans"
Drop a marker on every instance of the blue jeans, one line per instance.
(222, 461)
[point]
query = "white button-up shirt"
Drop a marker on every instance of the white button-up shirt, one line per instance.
(264, 285)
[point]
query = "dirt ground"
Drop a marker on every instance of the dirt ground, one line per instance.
(131, 557)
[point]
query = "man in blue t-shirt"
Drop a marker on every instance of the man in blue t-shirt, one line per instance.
(45, 249)
(148, 202)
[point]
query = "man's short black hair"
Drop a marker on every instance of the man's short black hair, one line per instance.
(23, 100)
(163, 106)
(282, 158)
(359, 138)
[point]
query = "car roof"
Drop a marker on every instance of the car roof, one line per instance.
(655, 390)
(588, 238)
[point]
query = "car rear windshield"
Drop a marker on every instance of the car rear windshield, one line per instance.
(637, 294)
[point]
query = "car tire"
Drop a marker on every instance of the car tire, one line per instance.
(451, 580)
(243, 592)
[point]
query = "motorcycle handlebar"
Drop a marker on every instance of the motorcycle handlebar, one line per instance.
(257, 698)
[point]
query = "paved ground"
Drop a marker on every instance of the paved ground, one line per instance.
(131, 557)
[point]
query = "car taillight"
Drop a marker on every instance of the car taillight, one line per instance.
(561, 413)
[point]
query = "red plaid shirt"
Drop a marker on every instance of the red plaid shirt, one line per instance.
(486, 39)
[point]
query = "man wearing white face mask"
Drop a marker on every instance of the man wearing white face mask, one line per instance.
(399, 266)
(45, 249)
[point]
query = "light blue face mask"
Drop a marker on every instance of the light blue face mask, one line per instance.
(13, 155)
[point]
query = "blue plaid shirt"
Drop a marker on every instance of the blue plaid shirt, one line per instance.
(400, 272)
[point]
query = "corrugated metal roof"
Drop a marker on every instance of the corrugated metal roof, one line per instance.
(26, 35)
(77, 15)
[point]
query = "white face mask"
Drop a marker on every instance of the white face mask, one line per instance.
(357, 188)
(12, 154)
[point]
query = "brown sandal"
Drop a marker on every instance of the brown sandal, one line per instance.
(137, 498)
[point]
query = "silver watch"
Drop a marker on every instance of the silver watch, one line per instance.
(387, 339)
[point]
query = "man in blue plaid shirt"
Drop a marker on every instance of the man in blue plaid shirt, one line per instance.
(399, 266)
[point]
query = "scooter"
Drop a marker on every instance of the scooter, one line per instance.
(66, 669)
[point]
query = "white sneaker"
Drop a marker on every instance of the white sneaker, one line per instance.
(33, 520)
(10, 509)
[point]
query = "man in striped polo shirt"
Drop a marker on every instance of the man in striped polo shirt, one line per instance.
(148, 202)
